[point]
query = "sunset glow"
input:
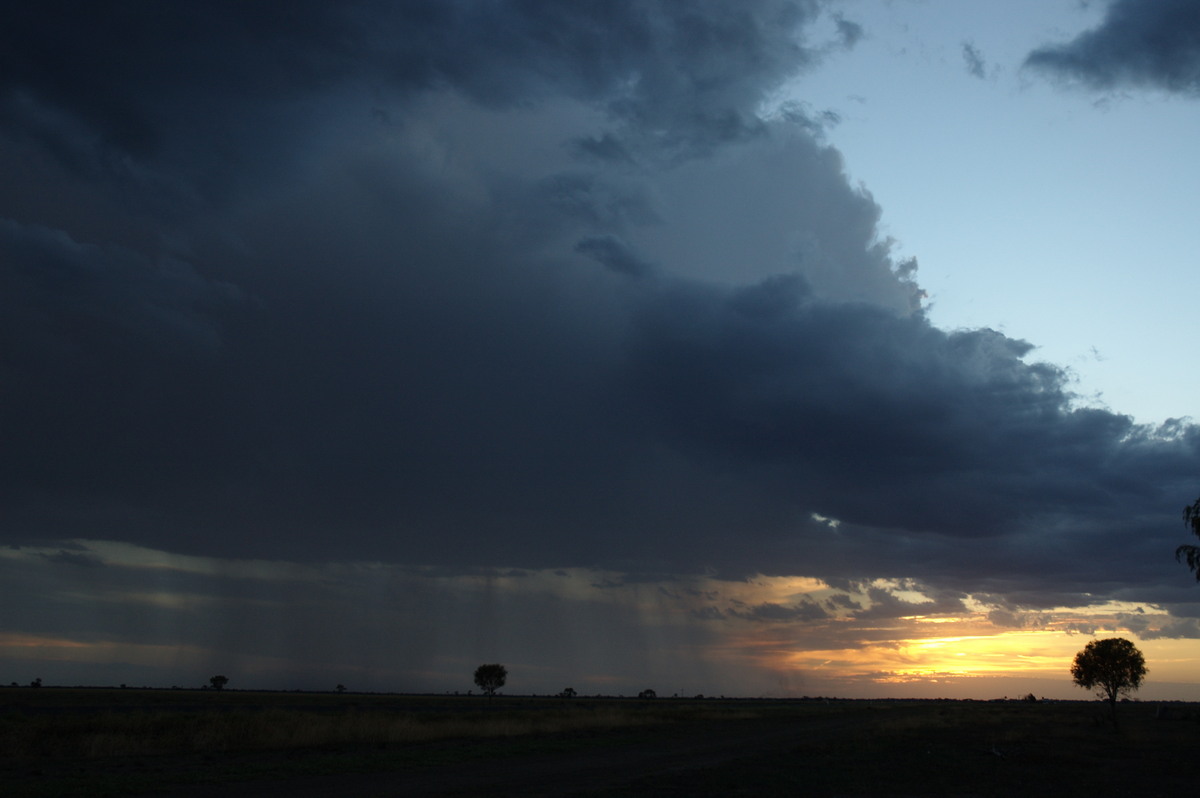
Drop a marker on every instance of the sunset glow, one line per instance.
(762, 635)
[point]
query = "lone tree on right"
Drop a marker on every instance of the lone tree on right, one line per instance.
(1186, 553)
(1112, 667)
(490, 678)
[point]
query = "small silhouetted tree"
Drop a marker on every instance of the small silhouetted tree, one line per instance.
(341, 688)
(218, 682)
(36, 682)
(1112, 667)
(647, 694)
(1187, 553)
(567, 693)
(491, 678)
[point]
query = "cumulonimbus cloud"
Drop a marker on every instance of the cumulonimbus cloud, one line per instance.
(478, 286)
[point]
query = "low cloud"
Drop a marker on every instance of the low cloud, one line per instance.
(885, 604)
(769, 611)
(1139, 43)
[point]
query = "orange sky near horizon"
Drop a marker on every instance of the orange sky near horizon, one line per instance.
(759, 636)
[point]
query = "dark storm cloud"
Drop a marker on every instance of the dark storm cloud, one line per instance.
(886, 423)
(419, 283)
(57, 294)
(196, 82)
(614, 254)
(1139, 43)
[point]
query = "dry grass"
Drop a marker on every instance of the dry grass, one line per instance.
(1034, 750)
(110, 743)
(120, 724)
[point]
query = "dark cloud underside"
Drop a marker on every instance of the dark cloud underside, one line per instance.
(1139, 43)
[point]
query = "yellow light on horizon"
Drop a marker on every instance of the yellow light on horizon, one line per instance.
(1015, 652)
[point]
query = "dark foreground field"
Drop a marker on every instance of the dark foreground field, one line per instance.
(125, 742)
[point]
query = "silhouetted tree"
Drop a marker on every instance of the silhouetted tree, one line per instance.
(491, 677)
(341, 688)
(647, 694)
(1186, 553)
(1112, 667)
(36, 682)
(218, 682)
(568, 692)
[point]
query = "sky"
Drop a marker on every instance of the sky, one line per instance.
(779, 347)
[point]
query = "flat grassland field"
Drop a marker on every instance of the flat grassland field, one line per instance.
(97, 742)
